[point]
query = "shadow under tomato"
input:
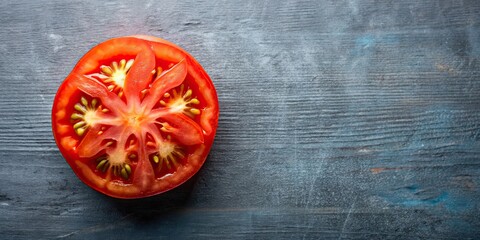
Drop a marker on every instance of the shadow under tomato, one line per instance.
(151, 208)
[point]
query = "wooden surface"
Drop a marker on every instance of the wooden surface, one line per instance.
(339, 119)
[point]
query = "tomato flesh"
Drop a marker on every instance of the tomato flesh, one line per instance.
(136, 117)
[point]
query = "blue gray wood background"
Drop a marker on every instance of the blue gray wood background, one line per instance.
(339, 119)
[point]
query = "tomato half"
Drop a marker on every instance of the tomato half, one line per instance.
(136, 117)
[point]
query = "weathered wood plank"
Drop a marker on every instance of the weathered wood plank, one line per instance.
(355, 119)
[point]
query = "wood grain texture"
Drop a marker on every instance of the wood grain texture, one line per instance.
(339, 119)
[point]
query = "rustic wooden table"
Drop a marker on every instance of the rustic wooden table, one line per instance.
(339, 119)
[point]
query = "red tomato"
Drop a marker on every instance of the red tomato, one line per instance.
(136, 117)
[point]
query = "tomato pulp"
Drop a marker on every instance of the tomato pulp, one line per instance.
(136, 117)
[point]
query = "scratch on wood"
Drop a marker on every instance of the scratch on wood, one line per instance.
(346, 220)
(378, 170)
(96, 228)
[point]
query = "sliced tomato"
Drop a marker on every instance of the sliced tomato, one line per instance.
(136, 117)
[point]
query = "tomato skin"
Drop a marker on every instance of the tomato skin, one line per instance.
(134, 144)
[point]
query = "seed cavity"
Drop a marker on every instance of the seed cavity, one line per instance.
(102, 164)
(123, 170)
(181, 101)
(114, 75)
(84, 115)
(167, 154)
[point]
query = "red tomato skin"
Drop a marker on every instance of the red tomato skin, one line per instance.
(65, 138)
